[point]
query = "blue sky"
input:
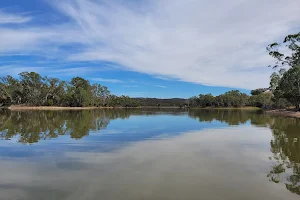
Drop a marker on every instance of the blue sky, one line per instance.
(167, 48)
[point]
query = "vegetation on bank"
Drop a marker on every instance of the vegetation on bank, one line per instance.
(285, 83)
(284, 90)
(231, 99)
(32, 89)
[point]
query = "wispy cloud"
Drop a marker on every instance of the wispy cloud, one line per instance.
(14, 70)
(130, 86)
(160, 86)
(163, 78)
(107, 80)
(7, 18)
(193, 41)
(51, 71)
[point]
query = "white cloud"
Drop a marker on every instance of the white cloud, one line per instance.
(14, 70)
(107, 80)
(44, 41)
(7, 18)
(51, 71)
(130, 86)
(160, 86)
(220, 43)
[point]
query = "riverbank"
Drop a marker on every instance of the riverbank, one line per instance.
(284, 113)
(228, 108)
(17, 108)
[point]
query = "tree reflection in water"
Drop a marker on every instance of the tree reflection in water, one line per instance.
(286, 153)
(32, 126)
(285, 144)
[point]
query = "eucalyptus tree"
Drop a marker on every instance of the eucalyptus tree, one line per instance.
(32, 84)
(80, 92)
(292, 43)
(289, 86)
(10, 90)
(285, 84)
(54, 91)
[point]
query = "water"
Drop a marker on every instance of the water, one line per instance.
(148, 154)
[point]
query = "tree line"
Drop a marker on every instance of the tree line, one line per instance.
(178, 102)
(233, 98)
(284, 90)
(32, 89)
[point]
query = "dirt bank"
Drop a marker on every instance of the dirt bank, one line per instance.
(284, 113)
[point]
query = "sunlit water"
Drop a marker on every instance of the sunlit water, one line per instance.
(148, 154)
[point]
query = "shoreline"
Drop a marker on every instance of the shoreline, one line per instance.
(284, 113)
(24, 108)
(227, 108)
(18, 108)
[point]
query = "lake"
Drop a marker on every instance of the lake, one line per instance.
(148, 154)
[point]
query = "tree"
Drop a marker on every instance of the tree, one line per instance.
(284, 84)
(258, 91)
(193, 101)
(32, 84)
(36, 90)
(206, 100)
(53, 91)
(289, 86)
(263, 100)
(80, 92)
(104, 94)
(10, 90)
(292, 43)
(234, 98)
(275, 79)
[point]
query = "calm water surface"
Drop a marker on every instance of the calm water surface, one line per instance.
(148, 155)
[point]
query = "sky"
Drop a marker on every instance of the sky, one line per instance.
(147, 48)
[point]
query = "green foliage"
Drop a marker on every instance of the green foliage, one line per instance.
(263, 100)
(35, 90)
(275, 79)
(232, 98)
(292, 43)
(235, 98)
(285, 84)
(289, 86)
(206, 100)
(258, 91)
(178, 102)
(193, 101)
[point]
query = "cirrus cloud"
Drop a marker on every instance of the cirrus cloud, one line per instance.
(7, 18)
